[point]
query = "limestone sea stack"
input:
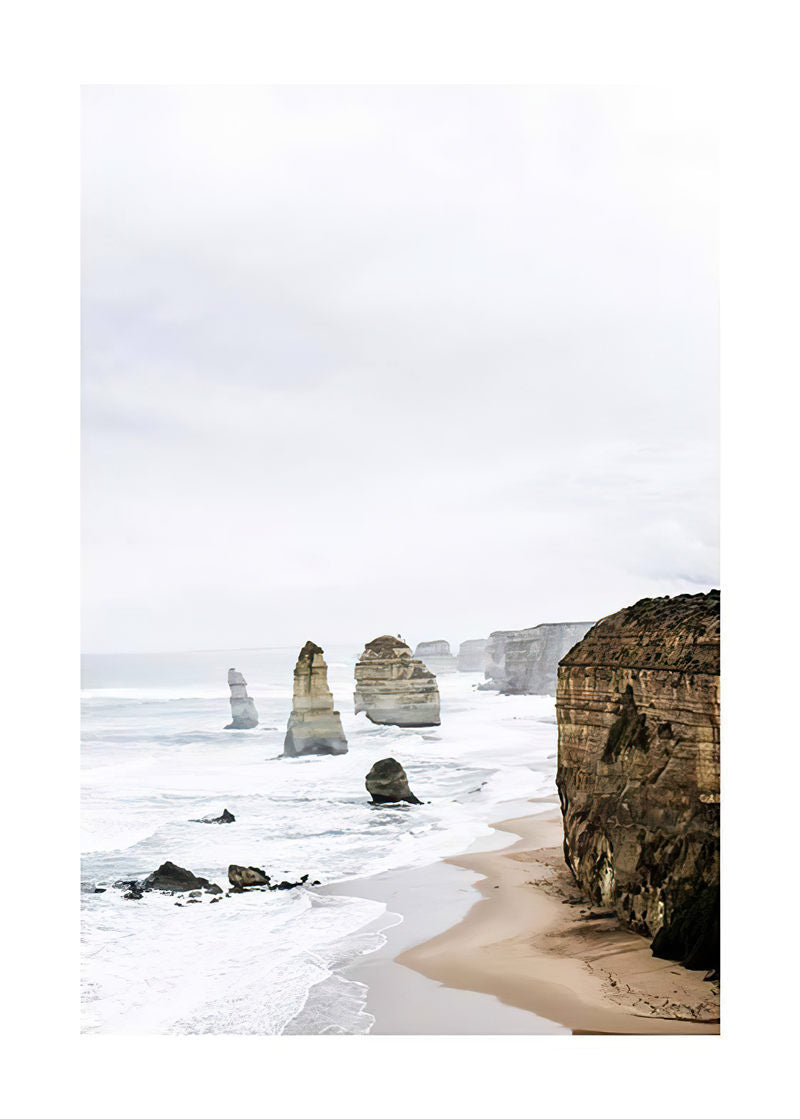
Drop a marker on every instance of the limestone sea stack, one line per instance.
(525, 661)
(638, 770)
(314, 727)
(393, 688)
(387, 783)
(243, 710)
(472, 655)
(436, 656)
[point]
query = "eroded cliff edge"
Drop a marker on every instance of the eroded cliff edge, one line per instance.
(638, 770)
(525, 661)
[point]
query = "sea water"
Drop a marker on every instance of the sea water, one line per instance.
(155, 758)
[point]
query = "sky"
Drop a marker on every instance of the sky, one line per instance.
(430, 360)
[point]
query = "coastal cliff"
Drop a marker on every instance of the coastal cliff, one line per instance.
(436, 656)
(394, 688)
(314, 727)
(472, 655)
(638, 770)
(243, 711)
(525, 661)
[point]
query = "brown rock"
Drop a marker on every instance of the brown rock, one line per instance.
(314, 727)
(393, 688)
(387, 783)
(242, 876)
(638, 770)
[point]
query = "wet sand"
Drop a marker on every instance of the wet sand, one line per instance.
(534, 944)
(500, 942)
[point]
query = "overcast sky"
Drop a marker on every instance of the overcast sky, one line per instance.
(420, 360)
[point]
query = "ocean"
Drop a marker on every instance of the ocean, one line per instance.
(155, 758)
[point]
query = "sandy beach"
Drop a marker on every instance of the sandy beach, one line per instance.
(501, 941)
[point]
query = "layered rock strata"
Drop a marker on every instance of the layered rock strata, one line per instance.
(243, 710)
(393, 688)
(638, 770)
(472, 655)
(387, 783)
(436, 656)
(314, 727)
(525, 661)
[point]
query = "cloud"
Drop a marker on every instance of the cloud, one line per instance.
(431, 359)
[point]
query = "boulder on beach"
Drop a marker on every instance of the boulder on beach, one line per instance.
(387, 783)
(314, 727)
(393, 688)
(243, 710)
(173, 879)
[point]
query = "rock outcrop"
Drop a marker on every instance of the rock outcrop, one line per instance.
(314, 727)
(244, 878)
(387, 783)
(226, 818)
(173, 879)
(243, 710)
(638, 770)
(525, 661)
(436, 656)
(393, 688)
(472, 655)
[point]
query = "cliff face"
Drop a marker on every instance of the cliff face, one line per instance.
(393, 688)
(472, 655)
(243, 711)
(525, 661)
(314, 727)
(436, 656)
(638, 770)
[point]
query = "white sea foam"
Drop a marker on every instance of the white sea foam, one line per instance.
(155, 763)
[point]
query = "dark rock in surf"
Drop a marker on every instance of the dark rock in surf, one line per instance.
(387, 783)
(240, 877)
(173, 879)
(226, 818)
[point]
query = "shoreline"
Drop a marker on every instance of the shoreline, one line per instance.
(422, 903)
(532, 943)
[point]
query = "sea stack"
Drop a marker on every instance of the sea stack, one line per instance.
(525, 661)
(314, 727)
(638, 770)
(436, 656)
(393, 688)
(387, 783)
(472, 655)
(243, 710)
